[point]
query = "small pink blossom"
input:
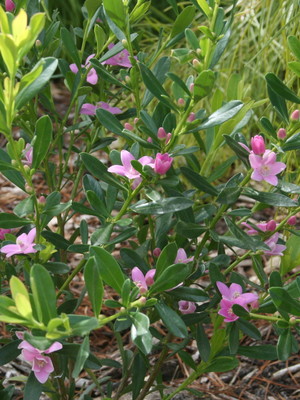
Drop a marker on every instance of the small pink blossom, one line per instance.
(9, 5)
(3, 232)
(126, 169)
(156, 252)
(161, 133)
(162, 163)
(141, 280)
(295, 115)
(24, 245)
(28, 154)
(281, 134)
(186, 307)
(292, 220)
(276, 249)
(181, 102)
(181, 257)
(121, 59)
(41, 365)
(266, 167)
(258, 145)
(263, 226)
(191, 117)
(168, 138)
(90, 109)
(128, 126)
(92, 76)
(150, 140)
(233, 295)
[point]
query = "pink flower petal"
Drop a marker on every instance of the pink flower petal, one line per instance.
(126, 159)
(272, 179)
(54, 347)
(73, 68)
(117, 169)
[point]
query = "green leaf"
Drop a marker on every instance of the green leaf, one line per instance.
(204, 84)
(189, 229)
(25, 207)
(43, 291)
(238, 149)
(70, 46)
(43, 138)
(58, 240)
(9, 352)
(248, 241)
(248, 329)
(8, 221)
(264, 352)
(222, 364)
(82, 356)
(292, 143)
(205, 7)
(183, 20)
(49, 66)
(109, 121)
(166, 258)
(116, 11)
(295, 67)
(172, 320)
(283, 301)
(104, 74)
(165, 206)
(92, 6)
(280, 88)
(272, 199)
(284, 345)
(140, 334)
(279, 104)
(94, 285)
(97, 204)
(233, 337)
(199, 181)
(108, 267)
(189, 294)
(226, 112)
(291, 257)
(294, 45)
(170, 277)
(259, 269)
(33, 388)
(202, 343)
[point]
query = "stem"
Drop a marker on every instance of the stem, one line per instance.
(127, 202)
(70, 278)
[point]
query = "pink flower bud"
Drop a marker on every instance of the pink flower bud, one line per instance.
(161, 133)
(168, 138)
(181, 101)
(162, 163)
(295, 115)
(150, 139)
(186, 307)
(9, 5)
(258, 144)
(42, 199)
(281, 134)
(191, 117)
(192, 86)
(156, 252)
(292, 220)
(128, 126)
(271, 225)
(136, 120)
(196, 63)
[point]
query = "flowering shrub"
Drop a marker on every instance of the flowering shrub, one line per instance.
(158, 243)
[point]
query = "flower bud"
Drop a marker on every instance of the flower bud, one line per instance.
(186, 307)
(181, 102)
(150, 140)
(258, 144)
(196, 64)
(42, 199)
(156, 252)
(295, 115)
(271, 225)
(9, 5)
(162, 163)
(161, 133)
(128, 126)
(192, 86)
(125, 43)
(292, 220)
(38, 43)
(281, 134)
(168, 138)
(136, 120)
(191, 117)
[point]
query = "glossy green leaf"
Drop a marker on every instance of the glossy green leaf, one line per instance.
(280, 88)
(264, 352)
(279, 104)
(295, 67)
(166, 258)
(172, 320)
(108, 267)
(49, 66)
(284, 345)
(203, 343)
(8, 221)
(189, 229)
(81, 358)
(33, 388)
(43, 138)
(9, 352)
(272, 199)
(183, 20)
(291, 256)
(70, 46)
(292, 143)
(165, 206)
(294, 45)
(222, 364)
(233, 337)
(283, 301)
(160, 71)
(170, 277)
(116, 11)
(94, 285)
(199, 181)
(43, 291)
(203, 84)
(248, 329)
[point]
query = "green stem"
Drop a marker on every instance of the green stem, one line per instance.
(127, 202)
(70, 278)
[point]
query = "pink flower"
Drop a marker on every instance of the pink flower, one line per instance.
(266, 167)
(9, 5)
(276, 249)
(191, 117)
(141, 280)
(121, 59)
(186, 307)
(292, 220)
(181, 257)
(295, 115)
(258, 144)
(28, 153)
(24, 245)
(126, 169)
(264, 227)
(162, 163)
(281, 134)
(233, 295)
(90, 109)
(41, 365)
(161, 133)
(156, 252)
(92, 76)
(3, 233)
